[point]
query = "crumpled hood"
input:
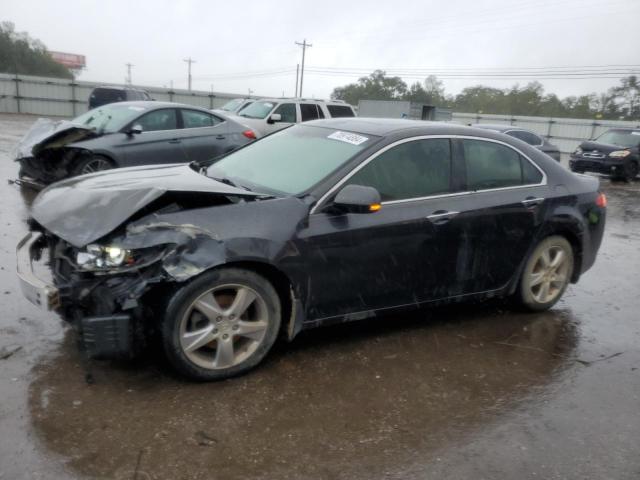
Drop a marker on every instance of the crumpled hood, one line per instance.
(47, 133)
(83, 209)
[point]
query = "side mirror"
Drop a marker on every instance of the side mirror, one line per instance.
(358, 199)
(135, 130)
(276, 117)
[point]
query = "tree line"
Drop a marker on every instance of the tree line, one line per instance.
(621, 102)
(21, 54)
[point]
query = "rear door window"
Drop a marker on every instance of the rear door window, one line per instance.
(163, 119)
(308, 111)
(492, 165)
(415, 169)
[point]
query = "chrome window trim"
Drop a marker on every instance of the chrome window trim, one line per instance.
(344, 179)
(506, 132)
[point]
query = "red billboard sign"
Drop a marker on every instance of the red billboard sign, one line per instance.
(69, 60)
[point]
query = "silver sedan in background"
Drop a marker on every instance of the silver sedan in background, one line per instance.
(526, 136)
(126, 134)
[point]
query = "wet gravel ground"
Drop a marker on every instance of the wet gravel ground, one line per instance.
(454, 393)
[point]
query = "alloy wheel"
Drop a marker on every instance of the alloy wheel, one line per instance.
(550, 274)
(224, 326)
(96, 164)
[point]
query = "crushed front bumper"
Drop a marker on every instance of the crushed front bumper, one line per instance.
(42, 294)
(608, 167)
(102, 336)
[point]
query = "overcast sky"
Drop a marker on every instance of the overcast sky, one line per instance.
(242, 45)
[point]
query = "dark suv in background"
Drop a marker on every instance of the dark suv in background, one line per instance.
(103, 95)
(614, 153)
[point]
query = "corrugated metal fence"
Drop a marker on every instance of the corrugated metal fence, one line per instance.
(68, 98)
(565, 133)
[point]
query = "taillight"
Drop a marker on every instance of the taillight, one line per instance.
(601, 201)
(249, 134)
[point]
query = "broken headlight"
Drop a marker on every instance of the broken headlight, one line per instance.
(106, 257)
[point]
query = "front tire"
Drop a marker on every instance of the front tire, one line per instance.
(630, 171)
(546, 274)
(91, 164)
(221, 324)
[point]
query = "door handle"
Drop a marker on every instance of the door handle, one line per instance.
(220, 137)
(440, 217)
(174, 140)
(531, 202)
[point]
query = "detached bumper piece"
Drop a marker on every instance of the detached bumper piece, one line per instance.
(107, 336)
(42, 294)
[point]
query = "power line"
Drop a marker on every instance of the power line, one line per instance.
(466, 68)
(249, 73)
(304, 46)
(414, 76)
(592, 74)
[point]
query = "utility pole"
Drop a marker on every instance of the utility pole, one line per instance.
(295, 95)
(304, 46)
(129, 65)
(189, 62)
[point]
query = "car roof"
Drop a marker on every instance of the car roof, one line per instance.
(156, 105)
(390, 126)
(116, 87)
(498, 127)
(300, 100)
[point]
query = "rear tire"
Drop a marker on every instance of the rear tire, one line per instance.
(92, 164)
(546, 274)
(221, 324)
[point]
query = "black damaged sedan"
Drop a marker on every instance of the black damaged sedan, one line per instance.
(330, 221)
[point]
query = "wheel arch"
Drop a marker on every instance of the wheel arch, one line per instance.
(573, 234)
(83, 153)
(569, 230)
(292, 311)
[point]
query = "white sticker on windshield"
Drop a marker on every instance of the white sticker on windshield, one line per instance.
(352, 138)
(137, 109)
(635, 133)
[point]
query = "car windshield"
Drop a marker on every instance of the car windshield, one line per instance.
(291, 161)
(109, 118)
(232, 105)
(622, 138)
(257, 110)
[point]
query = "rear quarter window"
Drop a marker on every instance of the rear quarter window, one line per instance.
(337, 111)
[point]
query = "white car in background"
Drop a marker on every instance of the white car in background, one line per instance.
(235, 105)
(268, 115)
